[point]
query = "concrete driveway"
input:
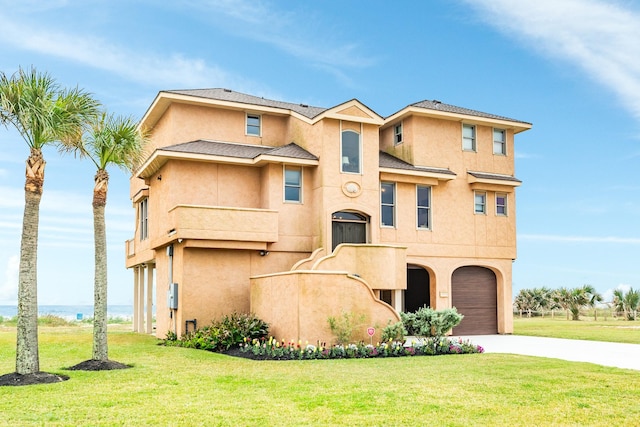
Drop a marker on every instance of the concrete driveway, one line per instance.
(598, 352)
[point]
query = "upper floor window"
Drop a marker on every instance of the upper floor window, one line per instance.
(350, 151)
(397, 134)
(292, 184)
(468, 137)
(480, 202)
(424, 206)
(499, 141)
(253, 124)
(143, 208)
(388, 203)
(501, 204)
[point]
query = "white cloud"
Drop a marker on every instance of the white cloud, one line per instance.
(579, 239)
(9, 285)
(599, 37)
(174, 70)
(291, 32)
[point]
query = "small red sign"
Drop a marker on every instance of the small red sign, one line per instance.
(371, 331)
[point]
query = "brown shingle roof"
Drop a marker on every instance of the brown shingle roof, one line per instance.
(244, 151)
(392, 162)
(496, 176)
(243, 98)
(448, 108)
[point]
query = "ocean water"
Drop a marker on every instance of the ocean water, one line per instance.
(72, 312)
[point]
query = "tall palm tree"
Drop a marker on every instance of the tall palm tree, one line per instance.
(110, 140)
(44, 114)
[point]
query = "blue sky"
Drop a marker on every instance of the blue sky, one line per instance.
(571, 68)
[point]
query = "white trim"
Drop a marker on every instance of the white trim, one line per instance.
(284, 183)
(246, 124)
(393, 204)
(476, 193)
(506, 204)
(474, 148)
(360, 150)
(429, 208)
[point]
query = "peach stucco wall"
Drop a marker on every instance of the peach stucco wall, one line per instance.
(298, 305)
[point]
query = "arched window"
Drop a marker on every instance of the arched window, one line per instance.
(350, 152)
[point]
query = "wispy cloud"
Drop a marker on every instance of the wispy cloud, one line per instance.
(579, 239)
(149, 68)
(599, 37)
(293, 32)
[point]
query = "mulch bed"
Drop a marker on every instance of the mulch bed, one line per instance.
(98, 365)
(15, 379)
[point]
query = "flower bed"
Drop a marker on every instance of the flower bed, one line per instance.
(272, 349)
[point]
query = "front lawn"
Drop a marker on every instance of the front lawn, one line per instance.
(623, 331)
(185, 387)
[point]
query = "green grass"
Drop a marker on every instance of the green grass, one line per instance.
(586, 329)
(172, 386)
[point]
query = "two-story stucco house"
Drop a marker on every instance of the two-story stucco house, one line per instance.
(297, 213)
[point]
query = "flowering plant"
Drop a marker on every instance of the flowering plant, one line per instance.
(289, 350)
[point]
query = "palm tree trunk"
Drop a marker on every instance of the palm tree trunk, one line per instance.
(27, 358)
(100, 349)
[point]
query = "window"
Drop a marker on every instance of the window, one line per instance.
(143, 211)
(388, 203)
(253, 124)
(424, 206)
(292, 184)
(397, 134)
(501, 204)
(468, 137)
(480, 202)
(499, 141)
(350, 151)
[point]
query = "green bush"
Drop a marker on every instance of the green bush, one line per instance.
(427, 322)
(223, 334)
(394, 332)
(342, 327)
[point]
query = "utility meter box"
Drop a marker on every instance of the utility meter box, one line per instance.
(172, 296)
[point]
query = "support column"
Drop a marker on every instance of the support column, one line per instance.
(140, 299)
(136, 285)
(398, 300)
(149, 319)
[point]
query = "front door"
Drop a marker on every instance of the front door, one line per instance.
(348, 227)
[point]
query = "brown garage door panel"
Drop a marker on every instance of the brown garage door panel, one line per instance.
(474, 294)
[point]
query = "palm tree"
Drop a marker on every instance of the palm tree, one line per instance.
(573, 300)
(111, 140)
(44, 114)
(627, 302)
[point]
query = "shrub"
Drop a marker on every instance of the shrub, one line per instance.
(394, 332)
(431, 323)
(342, 327)
(223, 334)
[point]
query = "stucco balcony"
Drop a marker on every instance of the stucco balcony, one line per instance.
(222, 223)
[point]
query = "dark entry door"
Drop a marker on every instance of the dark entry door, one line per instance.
(348, 227)
(418, 289)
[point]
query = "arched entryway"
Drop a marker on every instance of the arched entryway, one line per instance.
(418, 292)
(348, 227)
(474, 293)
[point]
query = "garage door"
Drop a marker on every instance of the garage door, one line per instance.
(474, 293)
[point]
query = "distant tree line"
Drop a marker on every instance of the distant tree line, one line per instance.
(535, 301)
